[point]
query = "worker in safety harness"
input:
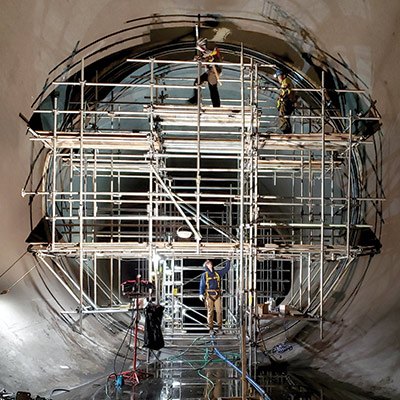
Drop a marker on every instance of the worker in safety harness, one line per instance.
(210, 292)
(212, 72)
(286, 101)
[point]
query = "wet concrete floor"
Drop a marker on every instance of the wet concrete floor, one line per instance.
(216, 380)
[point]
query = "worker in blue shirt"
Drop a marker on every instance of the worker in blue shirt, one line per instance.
(210, 292)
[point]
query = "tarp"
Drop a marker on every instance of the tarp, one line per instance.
(153, 337)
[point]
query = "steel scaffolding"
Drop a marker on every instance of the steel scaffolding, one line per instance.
(124, 176)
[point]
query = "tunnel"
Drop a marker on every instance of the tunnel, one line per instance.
(117, 189)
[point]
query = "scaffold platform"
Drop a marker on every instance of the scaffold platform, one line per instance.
(224, 117)
(187, 142)
(125, 176)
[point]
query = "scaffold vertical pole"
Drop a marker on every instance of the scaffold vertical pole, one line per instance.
(322, 250)
(198, 158)
(112, 227)
(54, 188)
(310, 189)
(111, 280)
(241, 230)
(332, 194)
(254, 124)
(301, 281)
(309, 280)
(250, 192)
(349, 184)
(150, 266)
(94, 225)
(95, 279)
(81, 149)
(71, 176)
(302, 220)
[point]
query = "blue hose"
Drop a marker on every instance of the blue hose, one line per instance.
(255, 385)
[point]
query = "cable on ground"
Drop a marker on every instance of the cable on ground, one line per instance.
(250, 380)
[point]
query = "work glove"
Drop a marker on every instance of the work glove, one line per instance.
(202, 43)
(201, 297)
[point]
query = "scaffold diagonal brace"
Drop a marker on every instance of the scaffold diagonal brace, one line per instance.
(179, 208)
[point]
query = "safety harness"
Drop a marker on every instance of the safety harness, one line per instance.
(217, 292)
(286, 92)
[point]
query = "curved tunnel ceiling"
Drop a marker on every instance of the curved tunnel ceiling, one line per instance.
(281, 39)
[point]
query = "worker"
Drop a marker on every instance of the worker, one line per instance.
(286, 101)
(210, 292)
(212, 72)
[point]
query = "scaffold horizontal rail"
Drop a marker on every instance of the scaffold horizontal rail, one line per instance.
(216, 250)
(290, 249)
(222, 143)
(287, 317)
(209, 116)
(136, 249)
(306, 141)
(292, 165)
(68, 140)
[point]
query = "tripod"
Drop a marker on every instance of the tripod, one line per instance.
(133, 289)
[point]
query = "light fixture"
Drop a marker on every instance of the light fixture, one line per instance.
(184, 232)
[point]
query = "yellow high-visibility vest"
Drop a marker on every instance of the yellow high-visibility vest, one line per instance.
(286, 91)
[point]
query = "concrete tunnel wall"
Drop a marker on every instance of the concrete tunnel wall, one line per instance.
(362, 343)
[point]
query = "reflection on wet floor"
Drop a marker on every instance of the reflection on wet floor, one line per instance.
(173, 380)
(193, 369)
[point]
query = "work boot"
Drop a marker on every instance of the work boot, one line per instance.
(220, 331)
(193, 100)
(211, 332)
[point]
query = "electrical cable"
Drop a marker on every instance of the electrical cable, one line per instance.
(64, 317)
(103, 324)
(205, 360)
(357, 288)
(19, 258)
(68, 319)
(187, 349)
(5, 291)
(155, 356)
(264, 349)
(129, 331)
(32, 196)
(59, 390)
(130, 327)
(106, 386)
(250, 380)
(128, 348)
(33, 166)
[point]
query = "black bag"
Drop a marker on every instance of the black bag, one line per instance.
(153, 337)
